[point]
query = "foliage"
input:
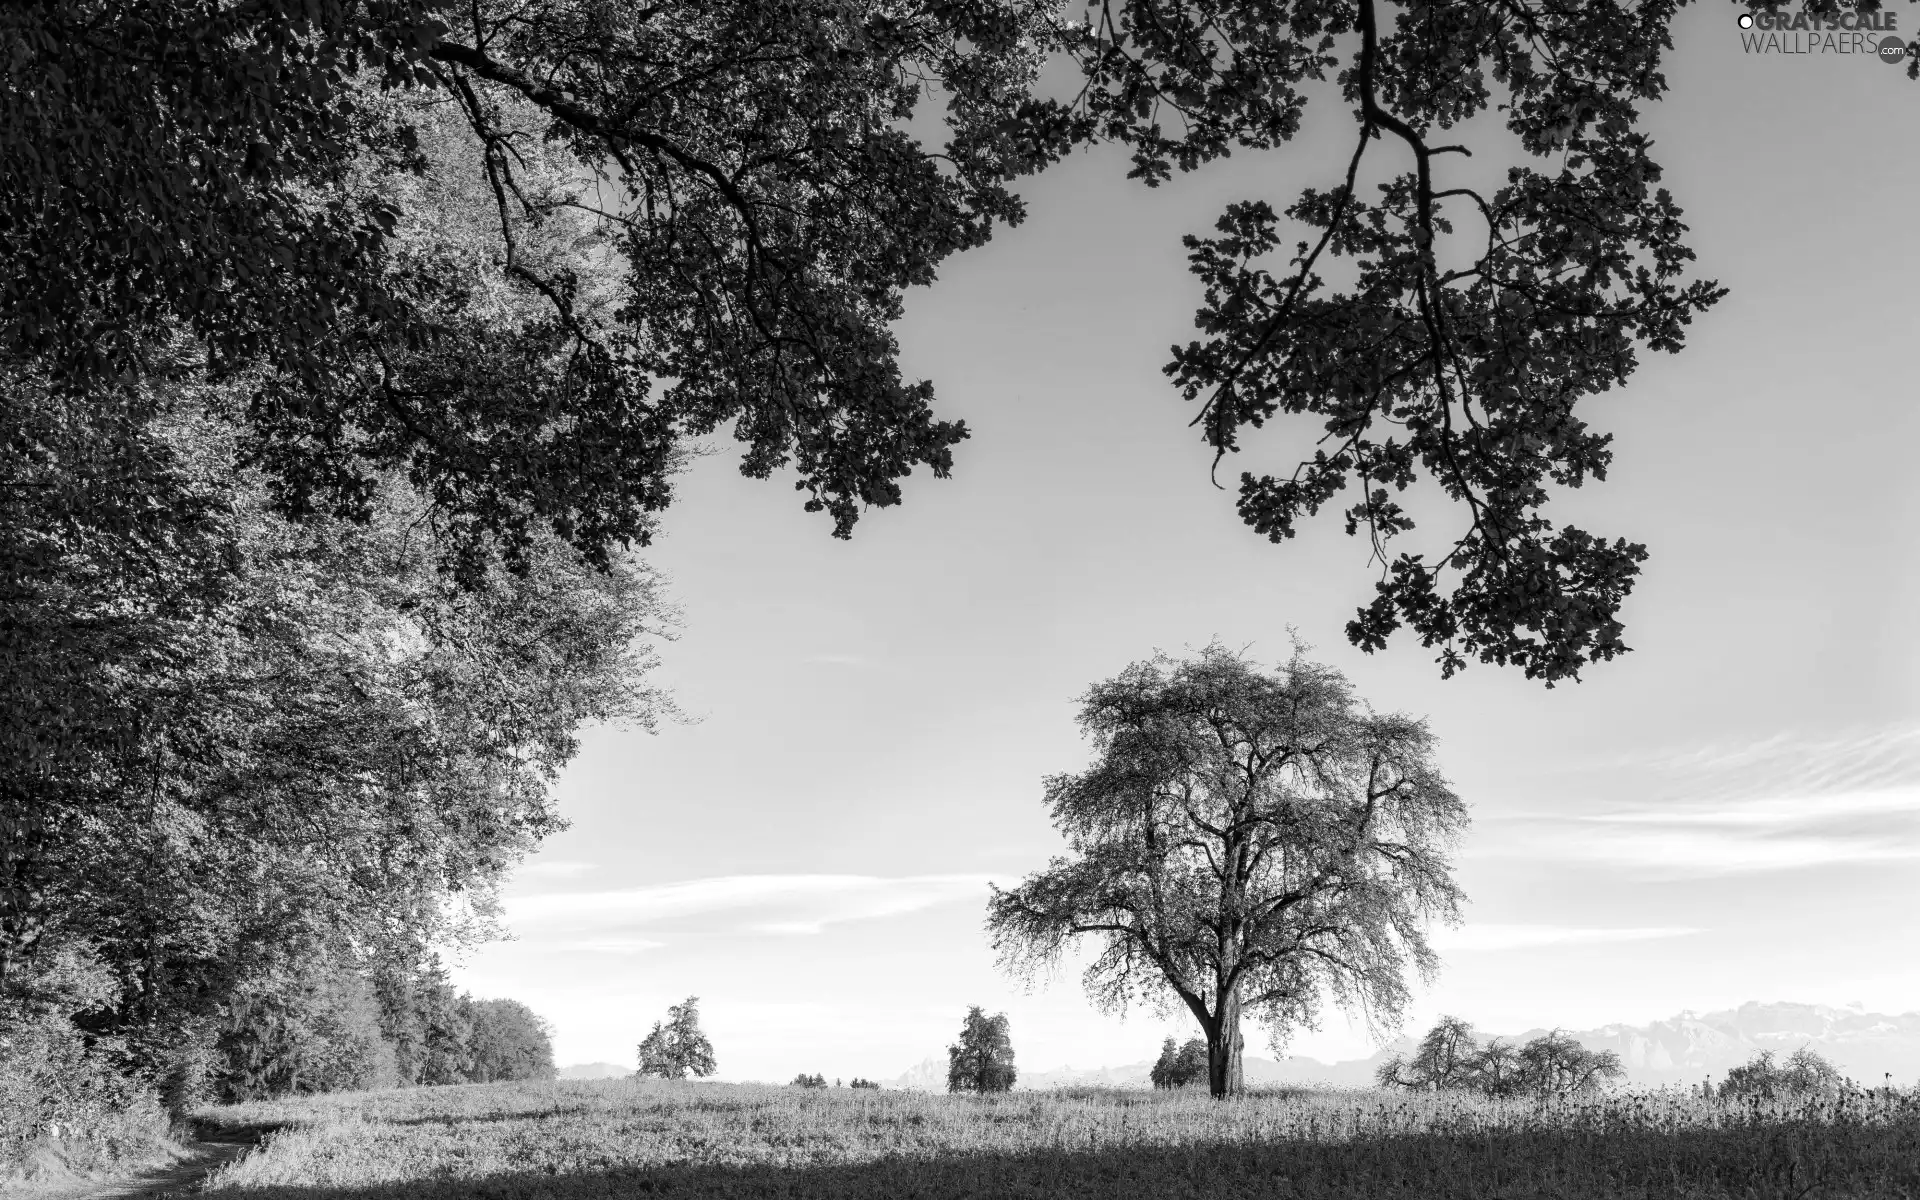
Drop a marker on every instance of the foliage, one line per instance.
(1478, 317)
(866, 1084)
(678, 1048)
(585, 1139)
(292, 1031)
(804, 1080)
(1804, 1073)
(508, 1042)
(1243, 841)
(63, 1103)
(982, 1060)
(750, 183)
(746, 171)
(1180, 1065)
(1450, 1057)
(241, 742)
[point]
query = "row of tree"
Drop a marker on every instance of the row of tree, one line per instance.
(1450, 1057)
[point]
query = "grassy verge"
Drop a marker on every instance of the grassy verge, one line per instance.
(621, 1138)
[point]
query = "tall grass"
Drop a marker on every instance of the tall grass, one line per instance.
(632, 1138)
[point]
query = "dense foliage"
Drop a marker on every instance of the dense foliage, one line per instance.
(982, 1060)
(1180, 1064)
(758, 186)
(677, 1048)
(1243, 842)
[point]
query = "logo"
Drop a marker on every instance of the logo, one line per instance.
(1867, 34)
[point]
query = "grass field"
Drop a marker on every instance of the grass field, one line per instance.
(622, 1138)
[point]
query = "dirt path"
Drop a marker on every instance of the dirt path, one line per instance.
(176, 1179)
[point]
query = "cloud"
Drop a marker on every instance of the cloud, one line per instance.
(786, 905)
(554, 869)
(837, 660)
(1778, 804)
(1522, 937)
(612, 945)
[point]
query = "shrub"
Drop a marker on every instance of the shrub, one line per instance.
(864, 1083)
(62, 1102)
(808, 1081)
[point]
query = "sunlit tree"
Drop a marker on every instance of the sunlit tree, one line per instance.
(1244, 842)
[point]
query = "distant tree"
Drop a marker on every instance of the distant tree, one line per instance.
(864, 1084)
(1180, 1065)
(1449, 1057)
(1553, 1065)
(508, 1042)
(1498, 1070)
(1803, 1073)
(1445, 1058)
(982, 1060)
(804, 1080)
(1243, 841)
(678, 1048)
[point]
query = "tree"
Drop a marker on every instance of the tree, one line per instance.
(1243, 842)
(1447, 1057)
(754, 175)
(677, 1048)
(508, 1041)
(1180, 1065)
(1804, 1073)
(860, 1084)
(982, 1060)
(1553, 1065)
(804, 1080)
(748, 167)
(239, 742)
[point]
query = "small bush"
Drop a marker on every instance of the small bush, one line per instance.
(63, 1105)
(864, 1083)
(809, 1081)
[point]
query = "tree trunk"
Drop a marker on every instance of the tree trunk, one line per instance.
(1224, 1047)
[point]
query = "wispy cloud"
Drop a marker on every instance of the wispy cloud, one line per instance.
(554, 869)
(1782, 803)
(765, 904)
(1523, 937)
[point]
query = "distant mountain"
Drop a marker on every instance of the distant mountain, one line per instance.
(598, 1070)
(1680, 1050)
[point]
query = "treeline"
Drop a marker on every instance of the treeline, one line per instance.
(328, 1031)
(264, 753)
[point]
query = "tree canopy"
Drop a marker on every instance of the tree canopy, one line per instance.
(1243, 842)
(708, 215)
(677, 1048)
(982, 1060)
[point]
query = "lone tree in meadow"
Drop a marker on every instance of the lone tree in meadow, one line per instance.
(1243, 842)
(678, 1048)
(1551, 1066)
(982, 1060)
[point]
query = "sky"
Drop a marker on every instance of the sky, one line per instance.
(1729, 813)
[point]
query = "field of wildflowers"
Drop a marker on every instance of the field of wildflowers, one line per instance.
(628, 1138)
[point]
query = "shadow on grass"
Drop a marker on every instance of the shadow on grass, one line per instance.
(1803, 1162)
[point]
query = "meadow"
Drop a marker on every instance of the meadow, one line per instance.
(626, 1138)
